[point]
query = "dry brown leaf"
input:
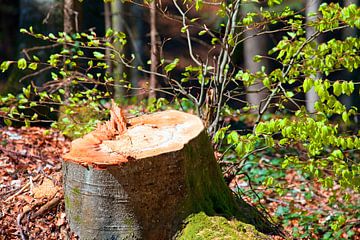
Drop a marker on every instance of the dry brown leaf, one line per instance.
(46, 189)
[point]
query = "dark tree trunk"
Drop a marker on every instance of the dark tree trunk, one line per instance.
(153, 50)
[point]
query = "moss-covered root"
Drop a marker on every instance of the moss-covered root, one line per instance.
(202, 227)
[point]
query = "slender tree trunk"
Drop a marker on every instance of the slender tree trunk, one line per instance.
(311, 96)
(252, 47)
(69, 16)
(154, 62)
(107, 18)
(137, 28)
(117, 13)
(69, 28)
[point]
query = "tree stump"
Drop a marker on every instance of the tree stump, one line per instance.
(141, 178)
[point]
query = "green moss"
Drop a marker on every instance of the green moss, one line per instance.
(67, 201)
(208, 191)
(77, 219)
(129, 221)
(75, 191)
(202, 227)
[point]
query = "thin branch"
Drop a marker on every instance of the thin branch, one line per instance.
(187, 33)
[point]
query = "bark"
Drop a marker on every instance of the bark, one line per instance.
(153, 50)
(137, 37)
(252, 47)
(142, 178)
(69, 16)
(312, 6)
(107, 20)
(117, 13)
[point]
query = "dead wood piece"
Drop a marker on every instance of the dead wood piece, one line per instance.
(21, 190)
(47, 206)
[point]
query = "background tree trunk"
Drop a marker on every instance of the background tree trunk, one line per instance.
(118, 68)
(107, 20)
(154, 175)
(311, 96)
(138, 35)
(69, 16)
(252, 47)
(153, 50)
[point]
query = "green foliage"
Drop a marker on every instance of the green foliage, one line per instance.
(316, 221)
(79, 86)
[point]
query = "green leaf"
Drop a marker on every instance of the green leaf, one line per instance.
(240, 149)
(203, 32)
(27, 91)
(220, 134)
(22, 64)
(98, 55)
(337, 89)
(7, 122)
(267, 82)
(5, 65)
(345, 117)
(308, 84)
(183, 29)
(90, 63)
(233, 137)
(27, 123)
(109, 33)
(269, 181)
(171, 66)
(257, 58)
(33, 66)
(52, 36)
(36, 58)
(198, 4)
(34, 117)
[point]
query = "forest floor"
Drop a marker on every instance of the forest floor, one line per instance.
(31, 194)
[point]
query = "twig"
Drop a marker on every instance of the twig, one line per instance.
(47, 206)
(224, 59)
(187, 33)
(18, 222)
(285, 73)
(22, 189)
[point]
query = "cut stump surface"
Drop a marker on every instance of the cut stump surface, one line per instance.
(145, 136)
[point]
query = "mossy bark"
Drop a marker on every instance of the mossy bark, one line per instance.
(151, 197)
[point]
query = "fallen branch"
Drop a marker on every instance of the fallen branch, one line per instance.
(22, 189)
(47, 206)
